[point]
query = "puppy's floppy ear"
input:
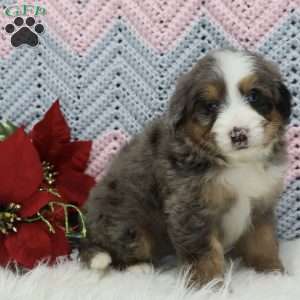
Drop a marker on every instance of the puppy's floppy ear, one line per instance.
(180, 102)
(284, 104)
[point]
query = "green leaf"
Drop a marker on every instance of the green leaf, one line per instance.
(6, 129)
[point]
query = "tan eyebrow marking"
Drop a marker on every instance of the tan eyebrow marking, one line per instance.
(253, 81)
(247, 83)
(214, 91)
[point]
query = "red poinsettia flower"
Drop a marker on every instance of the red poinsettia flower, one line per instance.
(21, 175)
(51, 137)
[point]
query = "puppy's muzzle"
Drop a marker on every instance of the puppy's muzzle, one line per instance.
(239, 137)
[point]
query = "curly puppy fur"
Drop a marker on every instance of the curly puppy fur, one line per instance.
(203, 180)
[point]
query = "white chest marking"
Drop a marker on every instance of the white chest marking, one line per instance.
(251, 182)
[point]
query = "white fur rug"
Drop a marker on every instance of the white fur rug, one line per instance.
(67, 281)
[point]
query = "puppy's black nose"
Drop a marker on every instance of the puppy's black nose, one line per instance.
(239, 137)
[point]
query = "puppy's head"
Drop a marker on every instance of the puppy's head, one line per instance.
(233, 102)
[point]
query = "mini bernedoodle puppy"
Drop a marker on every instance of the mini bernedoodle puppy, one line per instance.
(202, 181)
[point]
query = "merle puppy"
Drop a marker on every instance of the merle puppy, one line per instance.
(203, 180)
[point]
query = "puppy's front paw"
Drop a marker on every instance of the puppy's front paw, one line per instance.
(268, 266)
(100, 261)
(208, 267)
(202, 274)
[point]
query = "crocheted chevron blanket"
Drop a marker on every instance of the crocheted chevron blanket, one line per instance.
(114, 63)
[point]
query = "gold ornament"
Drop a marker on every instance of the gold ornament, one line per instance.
(9, 218)
(49, 179)
(49, 186)
(68, 229)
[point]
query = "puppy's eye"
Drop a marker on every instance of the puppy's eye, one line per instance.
(257, 100)
(211, 107)
(252, 97)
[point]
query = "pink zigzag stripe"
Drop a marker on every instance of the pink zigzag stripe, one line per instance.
(106, 147)
(160, 24)
(104, 150)
(248, 24)
(293, 140)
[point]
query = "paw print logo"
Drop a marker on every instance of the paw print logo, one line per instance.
(22, 34)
